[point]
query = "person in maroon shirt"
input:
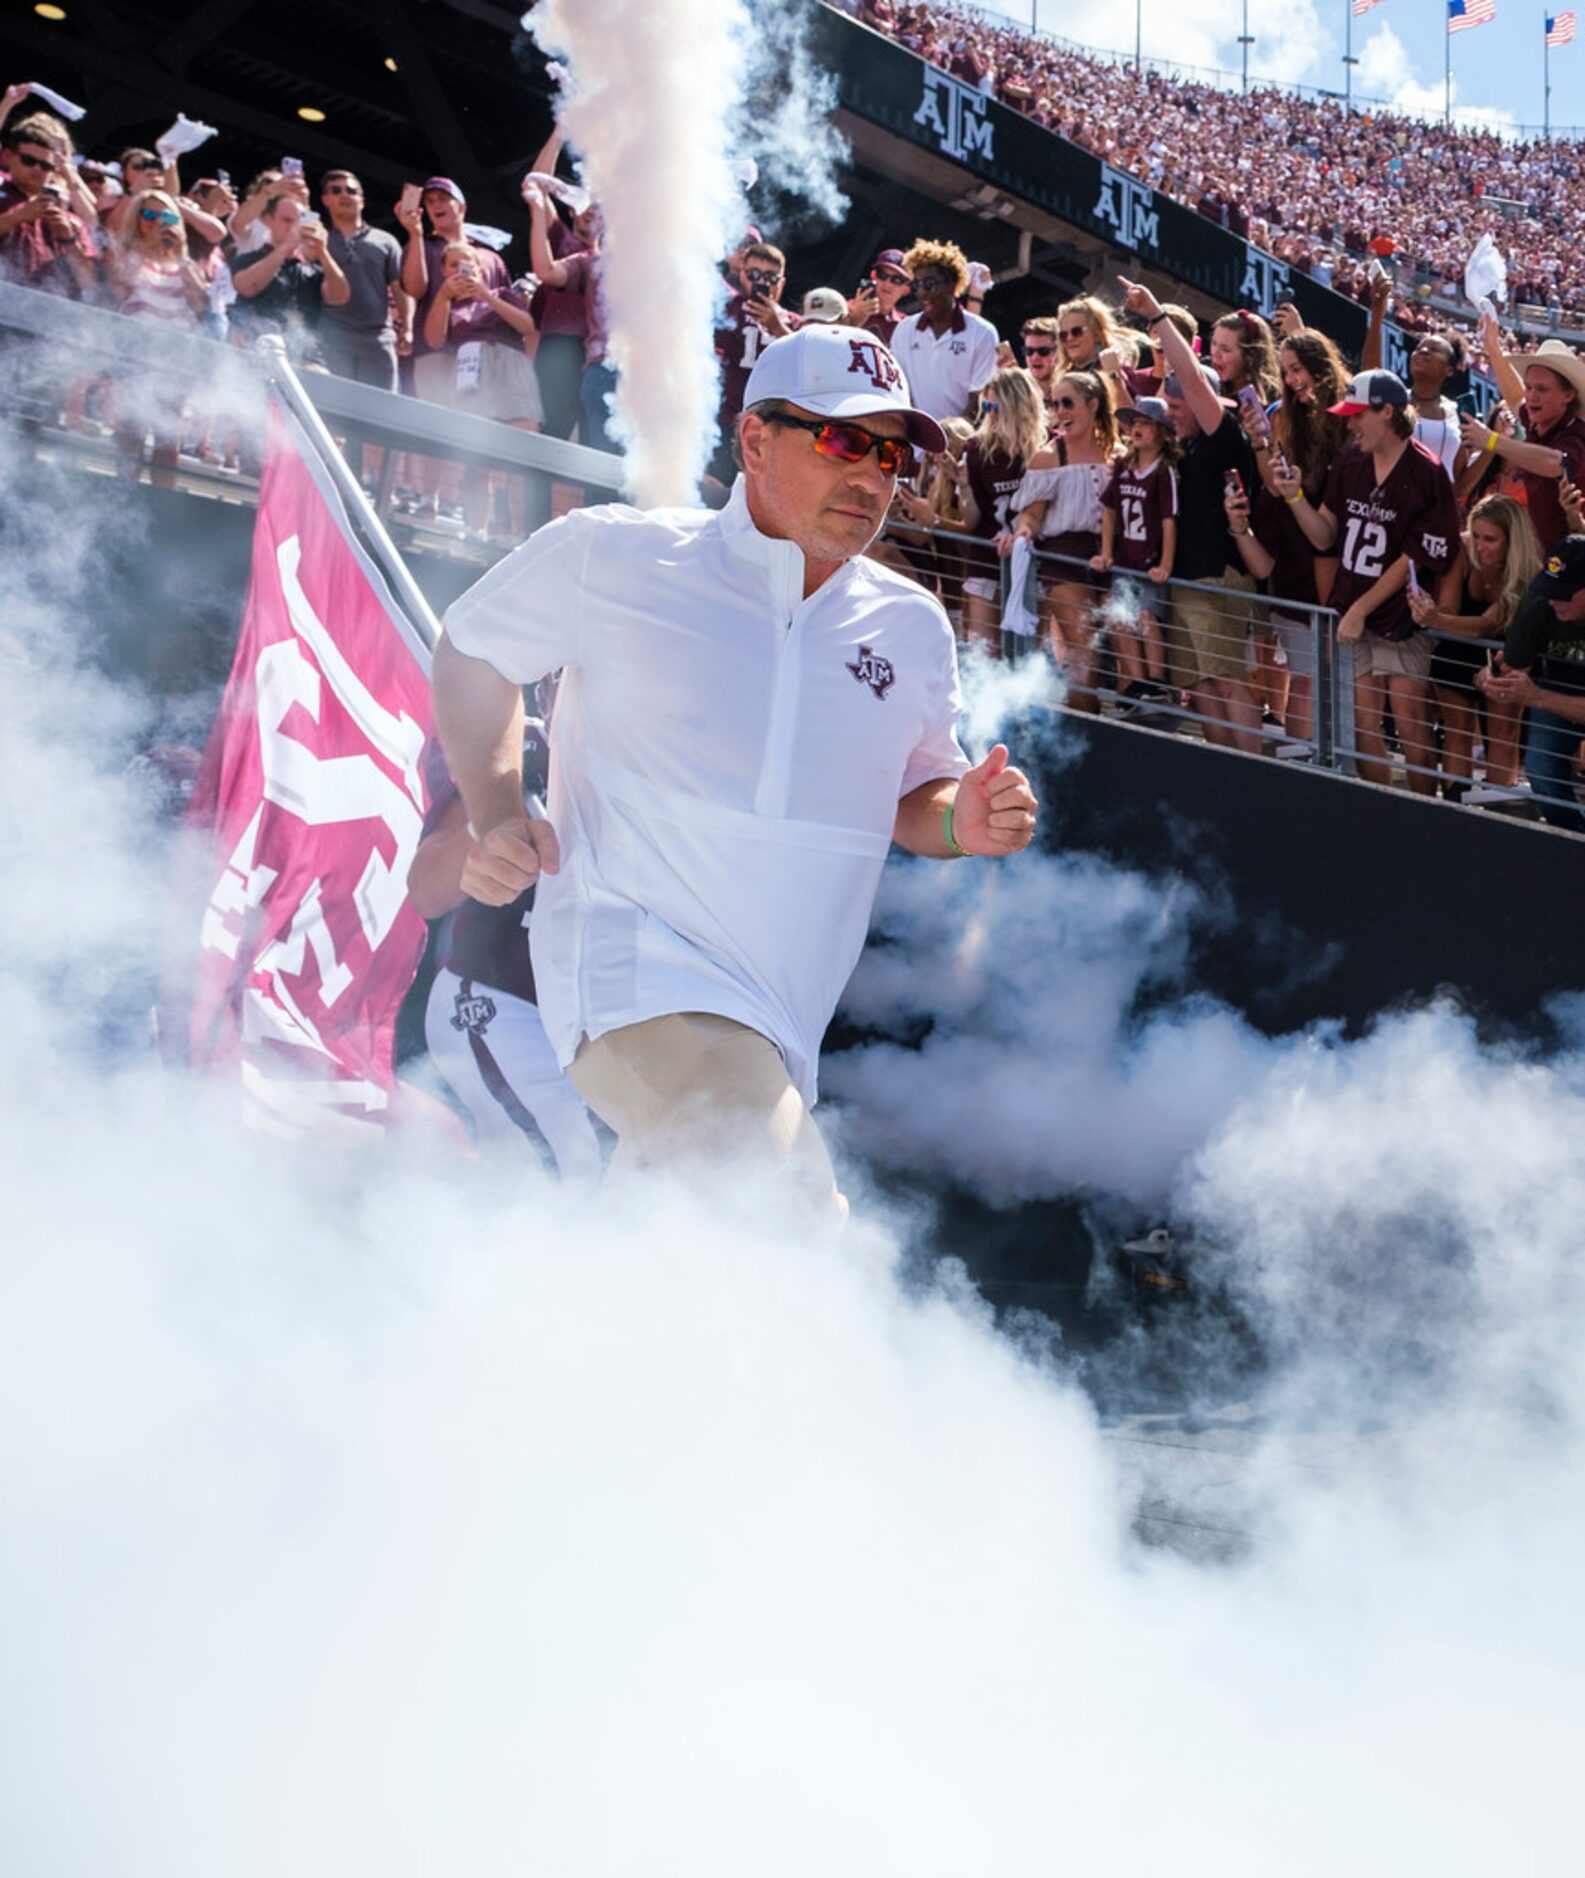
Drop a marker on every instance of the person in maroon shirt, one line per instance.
(752, 317)
(1390, 511)
(580, 274)
(877, 305)
(1548, 388)
(42, 243)
(1139, 538)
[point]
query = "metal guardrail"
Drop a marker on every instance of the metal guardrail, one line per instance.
(1299, 677)
(75, 338)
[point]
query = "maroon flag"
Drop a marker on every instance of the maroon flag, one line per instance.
(313, 788)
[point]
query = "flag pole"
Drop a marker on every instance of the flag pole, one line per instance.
(1447, 73)
(1546, 82)
(1348, 55)
(289, 388)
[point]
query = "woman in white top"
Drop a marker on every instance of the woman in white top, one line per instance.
(1436, 357)
(1058, 506)
(153, 278)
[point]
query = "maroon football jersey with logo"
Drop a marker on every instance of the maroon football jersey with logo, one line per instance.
(1413, 513)
(739, 340)
(1145, 501)
(993, 482)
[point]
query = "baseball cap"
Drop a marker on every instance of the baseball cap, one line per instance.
(446, 186)
(1174, 385)
(826, 304)
(1564, 572)
(1153, 408)
(892, 258)
(1368, 391)
(840, 371)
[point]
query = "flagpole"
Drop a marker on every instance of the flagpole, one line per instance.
(289, 388)
(1447, 73)
(1546, 84)
(1348, 55)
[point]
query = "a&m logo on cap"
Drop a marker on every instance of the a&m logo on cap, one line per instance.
(871, 358)
(1555, 566)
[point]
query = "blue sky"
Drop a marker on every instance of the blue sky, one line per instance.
(1496, 68)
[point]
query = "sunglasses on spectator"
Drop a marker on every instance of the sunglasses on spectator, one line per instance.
(987, 406)
(1075, 332)
(151, 214)
(897, 280)
(1037, 352)
(34, 163)
(342, 189)
(757, 279)
(148, 163)
(928, 283)
(1066, 404)
(848, 443)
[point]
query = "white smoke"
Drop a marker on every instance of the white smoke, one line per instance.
(412, 1514)
(668, 106)
(649, 99)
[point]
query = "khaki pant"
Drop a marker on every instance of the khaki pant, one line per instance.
(692, 1088)
(1207, 636)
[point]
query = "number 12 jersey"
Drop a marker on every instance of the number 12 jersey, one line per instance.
(1412, 513)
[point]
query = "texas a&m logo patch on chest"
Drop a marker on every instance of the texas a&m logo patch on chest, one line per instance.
(869, 668)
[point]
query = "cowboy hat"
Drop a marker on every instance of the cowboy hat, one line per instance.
(1556, 357)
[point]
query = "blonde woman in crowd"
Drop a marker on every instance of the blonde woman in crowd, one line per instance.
(1010, 434)
(1058, 507)
(1476, 599)
(153, 277)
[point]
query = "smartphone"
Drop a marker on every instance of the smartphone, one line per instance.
(412, 195)
(291, 166)
(1234, 485)
(1375, 271)
(1249, 397)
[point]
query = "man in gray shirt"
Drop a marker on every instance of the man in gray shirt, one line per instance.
(358, 338)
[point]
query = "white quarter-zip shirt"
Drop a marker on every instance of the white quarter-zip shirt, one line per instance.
(946, 372)
(726, 762)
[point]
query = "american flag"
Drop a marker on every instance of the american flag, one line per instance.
(1463, 13)
(1559, 30)
(1364, 6)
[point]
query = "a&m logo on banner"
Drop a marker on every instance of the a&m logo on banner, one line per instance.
(1129, 208)
(956, 113)
(1266, 282)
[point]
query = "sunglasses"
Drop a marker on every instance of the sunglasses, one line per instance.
(849, 444)
(153, 164)
(168, 216)
(341, 189)
(1038, 352)
(34, 163)
(756, 279)
(1066, 404)
(988, 407)
(894, 280)
(1075, 332)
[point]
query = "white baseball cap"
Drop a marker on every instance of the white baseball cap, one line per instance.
(840, 371)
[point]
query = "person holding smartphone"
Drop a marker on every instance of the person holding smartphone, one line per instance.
(752, 317)
(876, 305)
(358, 333)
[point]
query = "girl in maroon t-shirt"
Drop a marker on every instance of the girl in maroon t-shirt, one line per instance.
(1139, 538)
(1011, 431)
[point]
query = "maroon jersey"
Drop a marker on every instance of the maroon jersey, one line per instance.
(739, 340)
(1144, 501)
(1413, 513)
(993, 482)
(584, 276)
(1541, 492)
(884, 326)
(1272, 524)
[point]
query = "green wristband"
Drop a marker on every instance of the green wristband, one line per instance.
(953, 843)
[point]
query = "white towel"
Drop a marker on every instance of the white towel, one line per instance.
(1016, 617)
(56, 102)
(184, 135)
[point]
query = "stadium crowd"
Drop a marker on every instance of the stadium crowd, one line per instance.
(1164, 509)
(1319, 186)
